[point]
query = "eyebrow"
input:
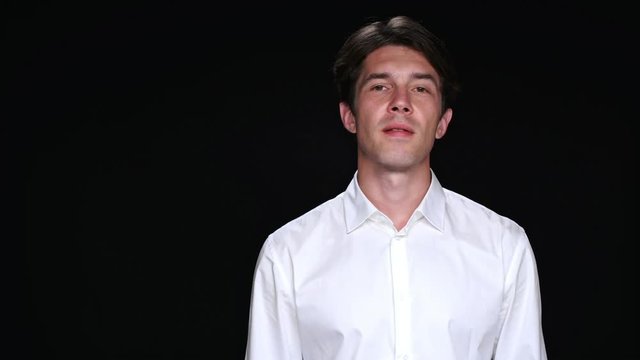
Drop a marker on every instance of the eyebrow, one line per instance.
(386, 75)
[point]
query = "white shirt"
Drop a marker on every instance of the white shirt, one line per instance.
(339, 282)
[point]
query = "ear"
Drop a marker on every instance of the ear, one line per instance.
(443, 124)
(348, 119)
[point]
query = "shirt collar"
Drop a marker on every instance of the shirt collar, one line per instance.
(357, 208)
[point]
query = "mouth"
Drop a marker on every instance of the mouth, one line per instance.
(397, 130)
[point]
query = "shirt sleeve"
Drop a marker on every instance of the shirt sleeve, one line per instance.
(521, 334)
(273, 330)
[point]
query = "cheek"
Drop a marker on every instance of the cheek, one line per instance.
(372, 109)
(373, 100)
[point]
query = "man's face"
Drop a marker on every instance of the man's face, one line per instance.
(398, 109)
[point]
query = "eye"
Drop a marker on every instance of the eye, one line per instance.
(379, 87)
(421, 89)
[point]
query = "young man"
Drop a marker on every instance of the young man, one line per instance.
(396, 266)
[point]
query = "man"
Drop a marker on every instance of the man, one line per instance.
(396, 266)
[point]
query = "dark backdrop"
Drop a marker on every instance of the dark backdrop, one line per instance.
(150, 148)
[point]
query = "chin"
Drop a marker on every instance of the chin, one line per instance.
(399, 166)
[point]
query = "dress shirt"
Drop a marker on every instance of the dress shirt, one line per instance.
(457, 282)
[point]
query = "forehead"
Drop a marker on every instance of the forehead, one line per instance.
(396, 60)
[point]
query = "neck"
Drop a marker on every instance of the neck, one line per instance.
(395, 194)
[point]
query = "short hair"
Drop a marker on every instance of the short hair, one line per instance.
(398, 30)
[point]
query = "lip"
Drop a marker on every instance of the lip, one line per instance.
(398, 129)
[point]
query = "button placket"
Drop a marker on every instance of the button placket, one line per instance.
(401, 295)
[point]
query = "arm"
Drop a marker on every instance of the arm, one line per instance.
(273, 329)
(521, 334)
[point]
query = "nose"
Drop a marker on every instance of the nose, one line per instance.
(401, 109)
(400, 104)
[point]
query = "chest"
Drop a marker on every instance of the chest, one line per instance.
(351, 287)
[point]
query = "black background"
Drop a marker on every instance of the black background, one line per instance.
(150, 147)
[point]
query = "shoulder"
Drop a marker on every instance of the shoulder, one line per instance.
(327, 216)
(468, 219)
